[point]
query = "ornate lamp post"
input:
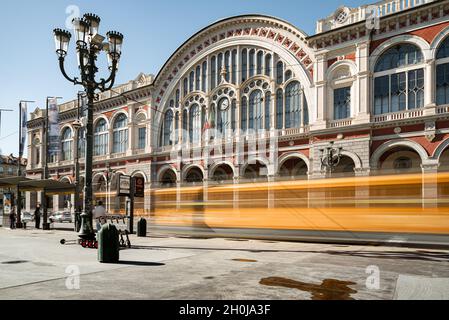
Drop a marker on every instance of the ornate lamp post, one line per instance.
(330, 157)
(78, 125)
(89, 45)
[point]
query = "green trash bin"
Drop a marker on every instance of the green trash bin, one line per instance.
(142, 228)
(108, 244)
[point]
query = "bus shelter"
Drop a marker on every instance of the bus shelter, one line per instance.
(48, 187)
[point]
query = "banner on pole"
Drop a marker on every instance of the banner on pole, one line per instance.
(53, 128)
(23, 126)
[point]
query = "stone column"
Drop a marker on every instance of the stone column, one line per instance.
(319, 113)
(430, 88)
(131, 133)
(362, 84)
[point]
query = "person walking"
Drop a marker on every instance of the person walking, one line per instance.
(37, 216)
(12, 218)
(99, 213)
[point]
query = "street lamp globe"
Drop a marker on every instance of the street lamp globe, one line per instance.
(94, 22)
(81, 32)
(62, 39)
(115, 47)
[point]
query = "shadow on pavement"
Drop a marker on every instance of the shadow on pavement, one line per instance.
(142, 263)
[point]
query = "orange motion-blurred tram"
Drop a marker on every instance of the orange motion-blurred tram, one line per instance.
(394, 208)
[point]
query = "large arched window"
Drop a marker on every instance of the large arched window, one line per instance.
(234, 66)
(227, 64)
(177, 97)
(342, 103)
(204, 76)
(142, 130)
(244, 67)
(279, 72)
(259, 62)
(213, 72)
(219, 67)
(255, 110)
(399, 80)
(185, 88)
(279, 109)
(101, 135)
(443, 73)
(195, 124)
(120, 134)
(198, 78)
(185, 126)
(268, 65)
(252, 62)
(293, 105)
(244, 115)
(191, 81)
(234, 114)
(267, 110)
(67, 140)
(167, 129)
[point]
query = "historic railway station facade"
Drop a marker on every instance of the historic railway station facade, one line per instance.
(377, 89)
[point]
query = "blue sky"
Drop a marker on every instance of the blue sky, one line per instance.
(153, 31)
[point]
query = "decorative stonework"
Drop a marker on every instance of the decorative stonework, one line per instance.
(430, 130)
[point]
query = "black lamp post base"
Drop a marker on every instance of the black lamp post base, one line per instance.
(45, 226)
(86, 231)
(19, 225)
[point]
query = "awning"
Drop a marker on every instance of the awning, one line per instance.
(50, 187)
(12, 182)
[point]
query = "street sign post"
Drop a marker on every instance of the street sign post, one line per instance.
(124, 186)
(127, 187)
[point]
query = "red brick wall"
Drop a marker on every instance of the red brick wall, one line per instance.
(427, 33)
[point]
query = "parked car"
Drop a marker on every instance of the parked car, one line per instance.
(64, 216)
(26, 217)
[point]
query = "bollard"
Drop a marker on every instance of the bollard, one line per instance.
(142, 228)
(108, 244)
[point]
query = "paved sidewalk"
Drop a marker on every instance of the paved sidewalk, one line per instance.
(34, 265)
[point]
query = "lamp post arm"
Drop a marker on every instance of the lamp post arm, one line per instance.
(64, 73)
(107, 84)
